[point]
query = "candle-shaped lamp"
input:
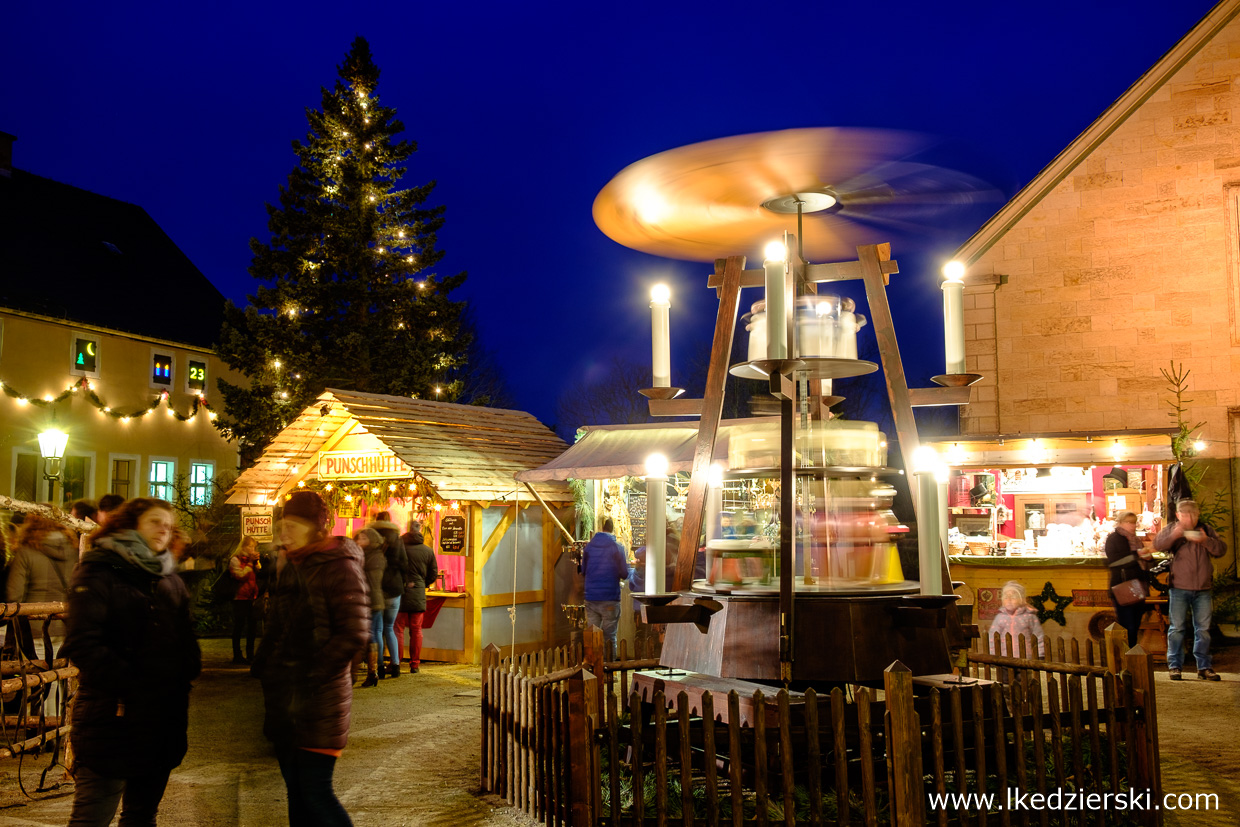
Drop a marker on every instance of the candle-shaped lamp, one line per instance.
(926, 466)
(774, 262)
(660, 335)
(714, 507)
(953, 315)
(656, 524)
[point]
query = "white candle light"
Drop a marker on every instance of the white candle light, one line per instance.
(926, 466)
(656, 524)
(773, 265)
(953, 315)
(660, 335)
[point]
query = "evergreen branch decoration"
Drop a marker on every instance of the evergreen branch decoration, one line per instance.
(1056, 614)
(1214, 510)
(83, 389)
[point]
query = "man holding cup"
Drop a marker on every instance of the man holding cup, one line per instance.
(1192, 544)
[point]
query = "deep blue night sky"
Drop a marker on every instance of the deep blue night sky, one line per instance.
(522, 112)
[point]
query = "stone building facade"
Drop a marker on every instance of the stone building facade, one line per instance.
(1121, 257)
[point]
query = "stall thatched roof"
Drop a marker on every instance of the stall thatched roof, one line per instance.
(466, 452)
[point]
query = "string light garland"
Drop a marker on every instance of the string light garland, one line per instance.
(84, 390)
(349, 495)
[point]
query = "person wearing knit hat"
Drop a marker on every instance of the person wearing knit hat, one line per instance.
(318, 619)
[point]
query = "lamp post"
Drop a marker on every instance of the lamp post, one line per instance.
(656, 524)
(52, 444)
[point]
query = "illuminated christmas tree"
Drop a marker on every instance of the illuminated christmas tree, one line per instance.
(347, 297)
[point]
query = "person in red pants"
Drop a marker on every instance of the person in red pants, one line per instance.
(423, 569)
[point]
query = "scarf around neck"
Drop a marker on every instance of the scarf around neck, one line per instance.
(129, 546)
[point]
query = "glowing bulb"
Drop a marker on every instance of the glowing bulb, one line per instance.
(107, 409)
(380, 249)
(275, 363)
(775, 251)
(391, 488)
(656, 465)
(284, 394)
(409, 259)
(327, 487)
(213, 415)
(660, 294)
(374, 490)
(372, 198)
(651, 207)
(1117, 451)
(439, 506)
(437, 390)
(21, 400)
(348, 498)
(301, 483)
(954, 271)
(49, 398)
(823, 308)
(925, 459)
(714, 475)
(124, 419)
(400, 234)
(1199, 446)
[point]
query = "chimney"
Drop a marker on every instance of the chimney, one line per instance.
(6, 154)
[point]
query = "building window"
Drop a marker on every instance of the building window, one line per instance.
(74, 474)
(26, 477)
(162, 475)
(161, 370)
(196, 377)
(200, 474)
(84, 357)
(122, 477)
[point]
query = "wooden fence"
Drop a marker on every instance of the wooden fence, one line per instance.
(26, 725)
(572, 738)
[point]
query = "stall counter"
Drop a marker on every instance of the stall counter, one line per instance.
(1071, 592)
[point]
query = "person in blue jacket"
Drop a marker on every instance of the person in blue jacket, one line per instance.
(604, 567)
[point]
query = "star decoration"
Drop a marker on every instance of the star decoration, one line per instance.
(1055, 614)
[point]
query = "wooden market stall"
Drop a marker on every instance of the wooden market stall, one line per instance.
(498, 545)
(1037, 509)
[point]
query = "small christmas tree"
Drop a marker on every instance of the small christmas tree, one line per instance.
(347, 297)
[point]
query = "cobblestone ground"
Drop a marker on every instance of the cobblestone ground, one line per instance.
(413, 754)
(412, 757)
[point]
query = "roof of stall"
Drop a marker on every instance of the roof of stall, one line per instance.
(466, 452)
(613, 451)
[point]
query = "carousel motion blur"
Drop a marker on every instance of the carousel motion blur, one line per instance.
(802, 578)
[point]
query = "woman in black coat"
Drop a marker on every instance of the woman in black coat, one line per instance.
(1125, 556)
(130, 636)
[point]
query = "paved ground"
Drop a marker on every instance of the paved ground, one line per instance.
(413, 754)
(412, 757)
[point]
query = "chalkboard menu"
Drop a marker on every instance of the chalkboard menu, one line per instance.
(637, 519)
(452, 534)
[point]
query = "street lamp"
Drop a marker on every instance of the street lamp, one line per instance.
(52, 444)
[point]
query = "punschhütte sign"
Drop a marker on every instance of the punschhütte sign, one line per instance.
(361, 465)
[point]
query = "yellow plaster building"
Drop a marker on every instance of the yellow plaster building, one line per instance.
(105, 333)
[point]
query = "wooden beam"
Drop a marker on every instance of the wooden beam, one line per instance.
(712, 412)
(930, 397)
(473, 576)
(490, 601)
(568, 535)
(675, 407)
(816, 273)
(871, 257)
